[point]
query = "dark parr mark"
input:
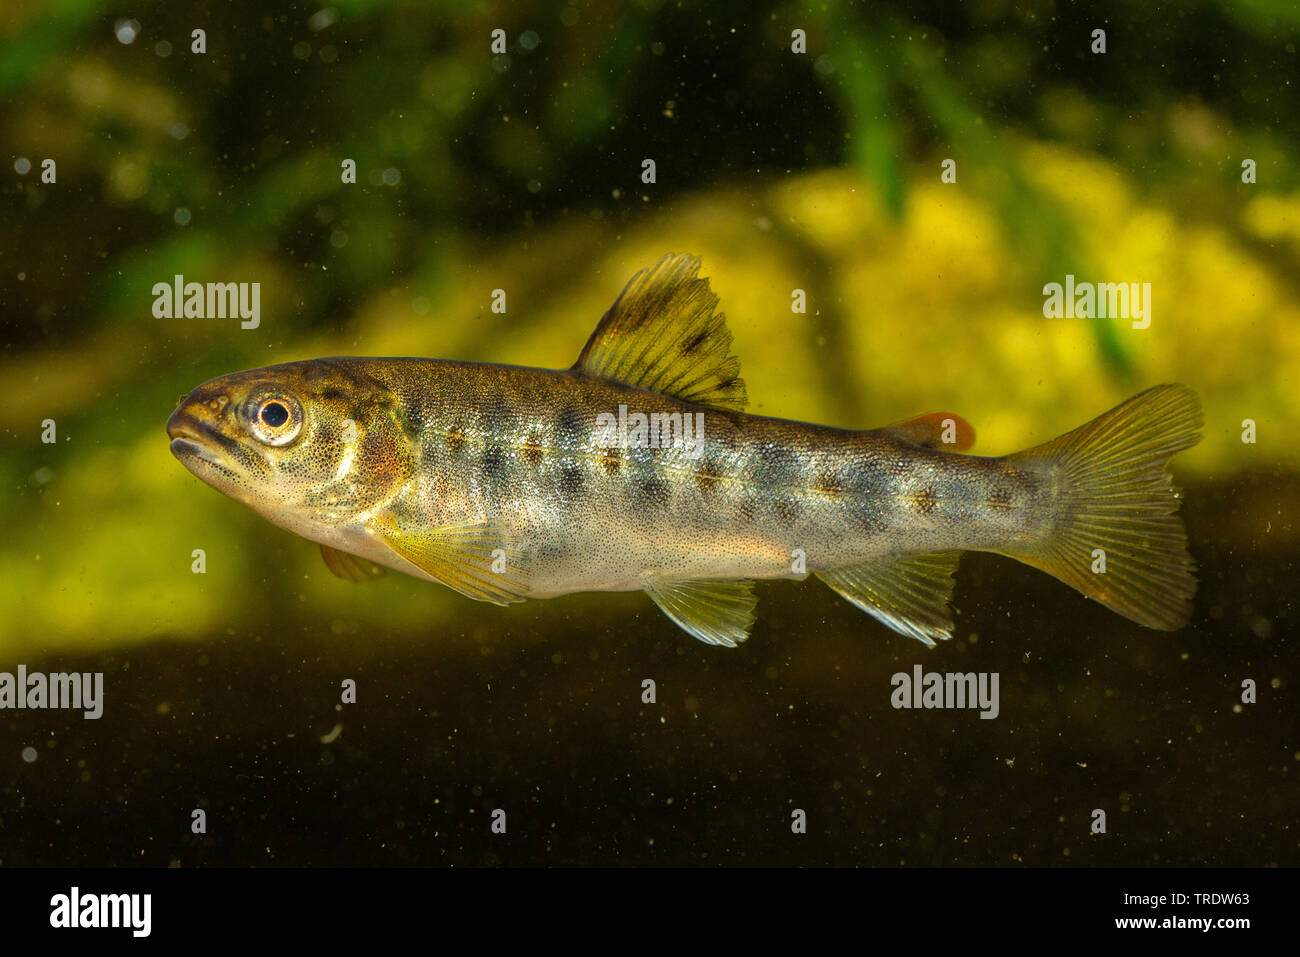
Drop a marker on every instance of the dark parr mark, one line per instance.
(770, 461)
(571, 481)
(494, 463)
(411, 417)
(869, 520)
(786, 509)
(654, 491)
(570, 427)
(497, 413)
(868, 478)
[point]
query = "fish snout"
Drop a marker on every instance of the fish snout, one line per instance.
(195, 427)
(205, 406)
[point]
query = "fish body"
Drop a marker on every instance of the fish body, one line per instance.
(638, 470)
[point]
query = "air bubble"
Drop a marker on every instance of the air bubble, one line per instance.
(320, 20)
(126, 31)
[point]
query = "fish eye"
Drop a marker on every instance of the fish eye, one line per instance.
(275, 420)
(274, 414)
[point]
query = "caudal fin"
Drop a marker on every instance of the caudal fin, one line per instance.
(1113, 494)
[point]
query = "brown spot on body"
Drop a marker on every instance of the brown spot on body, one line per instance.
(456, 439)
(830, 485)
(611, 459)
(533, 450)
(708, 475)
(924, 501)
(999, 500)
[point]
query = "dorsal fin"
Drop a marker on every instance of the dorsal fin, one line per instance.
(935, 430)
(662, 334)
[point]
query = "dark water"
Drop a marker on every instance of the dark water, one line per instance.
(536, 710)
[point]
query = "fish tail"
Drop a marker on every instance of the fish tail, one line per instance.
(1115, 536)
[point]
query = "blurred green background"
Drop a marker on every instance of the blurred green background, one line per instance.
(522, 171)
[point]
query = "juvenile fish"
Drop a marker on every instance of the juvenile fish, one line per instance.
(637, 469)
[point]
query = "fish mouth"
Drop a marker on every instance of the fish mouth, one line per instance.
(182, 448)
(193, 440)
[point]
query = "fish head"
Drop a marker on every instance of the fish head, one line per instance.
(305, 444)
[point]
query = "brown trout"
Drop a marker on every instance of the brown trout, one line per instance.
(637, 469)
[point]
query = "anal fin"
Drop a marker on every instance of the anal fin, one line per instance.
(477, 560)
(715, 612)
(910, 594)
(349, 567)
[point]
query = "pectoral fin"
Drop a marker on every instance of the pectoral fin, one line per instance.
(715, 612)
(910, 594)
(478, 561)
(349, 567)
